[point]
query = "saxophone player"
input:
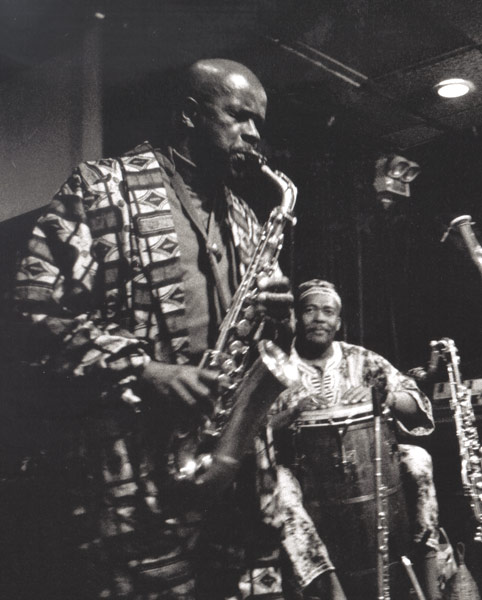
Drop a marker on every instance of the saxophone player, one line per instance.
(122, 289)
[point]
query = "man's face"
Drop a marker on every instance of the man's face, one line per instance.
(319, 320)
(228, 125)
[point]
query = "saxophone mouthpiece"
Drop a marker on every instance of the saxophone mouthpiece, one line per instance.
(248, 163)
(459, 223)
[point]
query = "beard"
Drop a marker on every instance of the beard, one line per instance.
(314, 346)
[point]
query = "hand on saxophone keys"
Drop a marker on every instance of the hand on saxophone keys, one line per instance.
(182, 391)
(274, 298)
(274, 303)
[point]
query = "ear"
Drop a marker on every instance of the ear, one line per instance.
(338, 324)
(189, 112)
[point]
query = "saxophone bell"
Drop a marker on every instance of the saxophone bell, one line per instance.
(192, 457)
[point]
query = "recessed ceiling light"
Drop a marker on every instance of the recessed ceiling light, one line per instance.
(454, 88)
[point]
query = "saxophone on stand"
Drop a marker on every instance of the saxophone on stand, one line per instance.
(463, 225)
(465, 429)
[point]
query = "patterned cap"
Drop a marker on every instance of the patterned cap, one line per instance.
(317, 286)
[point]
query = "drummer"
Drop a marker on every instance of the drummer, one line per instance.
(337, 378)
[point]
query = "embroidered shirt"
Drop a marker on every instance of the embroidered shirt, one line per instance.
(351, 366)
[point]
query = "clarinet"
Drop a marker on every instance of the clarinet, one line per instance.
(383, 558)
(466, 431)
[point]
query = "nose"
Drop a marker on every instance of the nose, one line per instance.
(319, 316)
(250, 132)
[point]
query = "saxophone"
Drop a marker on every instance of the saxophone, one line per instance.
(464, 225)
(240, 374)
(465, 429)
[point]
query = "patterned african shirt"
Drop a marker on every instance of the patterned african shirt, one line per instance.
(349, 367)
(352, 366)
(102, 290)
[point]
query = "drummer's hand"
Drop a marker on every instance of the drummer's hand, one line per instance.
(288, 416)
(284, 418)
(183, 390)
(311, 403)
(357, 394)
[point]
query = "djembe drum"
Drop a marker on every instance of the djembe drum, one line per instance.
(334, 461)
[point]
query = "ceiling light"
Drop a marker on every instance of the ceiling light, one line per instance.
(398, 167)
(454, 88)
(393, 175)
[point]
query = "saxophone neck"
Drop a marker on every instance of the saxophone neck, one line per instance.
(463, 225)
(253, 162)
(286, 189)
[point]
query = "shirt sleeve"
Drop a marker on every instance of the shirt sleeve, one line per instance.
(58, 301)
(398, 382)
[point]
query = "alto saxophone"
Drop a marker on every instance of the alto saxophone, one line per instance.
(238, 340)
(465, 429)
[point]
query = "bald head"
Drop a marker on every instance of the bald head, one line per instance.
(209, 78)
(221, 109)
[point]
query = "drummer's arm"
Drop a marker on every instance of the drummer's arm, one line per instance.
(407, 410)
(284, 418)
(408, 404)
(285, 415)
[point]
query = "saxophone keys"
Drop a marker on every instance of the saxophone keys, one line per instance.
(213, 359)
(243, 328)
(237, 348)
(249, 313)
(228, 366)
(223, 381)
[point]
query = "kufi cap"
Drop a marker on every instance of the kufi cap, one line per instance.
(317, 286)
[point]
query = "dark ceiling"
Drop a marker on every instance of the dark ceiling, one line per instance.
(378, 59)
(389, 56)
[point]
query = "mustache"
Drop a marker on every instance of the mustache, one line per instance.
(247, 161)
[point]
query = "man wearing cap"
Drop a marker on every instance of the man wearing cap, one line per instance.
(336, 380)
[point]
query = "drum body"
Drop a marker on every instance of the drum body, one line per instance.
(336, 468)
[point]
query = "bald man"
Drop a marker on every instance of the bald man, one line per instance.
(128, 274)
